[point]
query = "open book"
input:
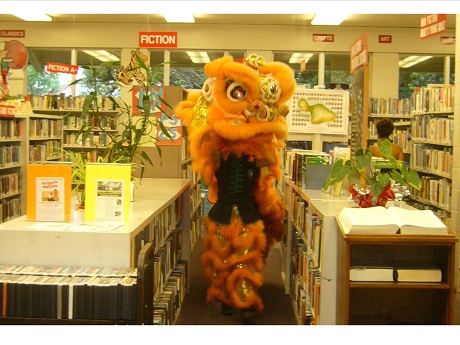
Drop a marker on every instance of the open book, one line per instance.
(391, 220)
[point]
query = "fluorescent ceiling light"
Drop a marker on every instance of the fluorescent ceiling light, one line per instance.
(412, 60)
(298, 57)
(199, 57)
(329, 19)
(102, 55)
(33, 17)
(177, 17)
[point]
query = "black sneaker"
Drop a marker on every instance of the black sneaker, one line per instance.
(226, 309)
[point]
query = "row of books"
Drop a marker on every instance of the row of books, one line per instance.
(88, 155)
(436, 191)
(165, 260)
(10, 209)
(11, 128)
(305, 281)
(93, 139)
(402, 137)
(68, 296)
(436, 130)
(63, 102)
(429, 159)
(433, 98)
(44, 128)
(10, 184)
(75, 121)
(46, 151)
(390, 106)
(10, 155)
(168, 302)
(309, 169)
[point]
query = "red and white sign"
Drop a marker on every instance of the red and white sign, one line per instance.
(447, 40)
(303, 65)
(385, 38)
(53, 67)
(13, 33)
(323, 38)
(358, 54)
(432, 24)
(157, 39)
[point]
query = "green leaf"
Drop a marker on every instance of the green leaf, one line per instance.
(398, 177)
(385, 148)
(363, 158)
(339, 171)
(87, 104)
(413, 179)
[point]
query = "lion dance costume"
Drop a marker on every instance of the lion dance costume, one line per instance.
(239, 114)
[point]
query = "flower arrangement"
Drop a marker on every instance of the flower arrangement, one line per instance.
(371, 187)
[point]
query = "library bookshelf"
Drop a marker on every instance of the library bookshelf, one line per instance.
(24, 138)
(153, 248)
(310, 252)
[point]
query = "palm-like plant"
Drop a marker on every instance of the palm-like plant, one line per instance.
(125, 145)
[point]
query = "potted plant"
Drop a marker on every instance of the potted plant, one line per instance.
(126, 144)
(368, 185)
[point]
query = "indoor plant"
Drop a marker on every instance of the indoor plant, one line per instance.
(126, 144)
(367, 183)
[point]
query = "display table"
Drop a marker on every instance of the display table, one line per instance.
(24, 242)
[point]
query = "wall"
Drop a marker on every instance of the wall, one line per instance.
(226, 37)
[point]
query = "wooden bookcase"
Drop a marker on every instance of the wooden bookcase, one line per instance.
(396, 303)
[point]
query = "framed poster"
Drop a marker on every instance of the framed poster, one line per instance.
(319, 111)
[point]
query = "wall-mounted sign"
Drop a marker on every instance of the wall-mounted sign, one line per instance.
(13, 33)
(432, 24)
(53, 67)
(385, 38)
(158, 39)
(358, 54)
(323, 38)
(447, 40)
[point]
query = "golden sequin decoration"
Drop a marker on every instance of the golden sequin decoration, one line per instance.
(199, 112)
(220, 238)
(243, 289)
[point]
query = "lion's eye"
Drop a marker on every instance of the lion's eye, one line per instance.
(236, 92)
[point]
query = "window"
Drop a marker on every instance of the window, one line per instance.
(191, 75)
(430, 71)
(336, 66)
(40, 82)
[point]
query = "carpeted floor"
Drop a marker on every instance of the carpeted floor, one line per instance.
(278, 307)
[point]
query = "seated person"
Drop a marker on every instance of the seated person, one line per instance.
(385, 128)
